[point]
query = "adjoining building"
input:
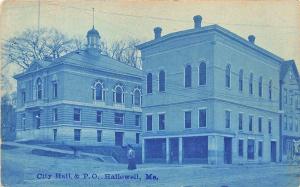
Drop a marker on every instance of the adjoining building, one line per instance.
(290, 108)
(210, 96)
(83, 98)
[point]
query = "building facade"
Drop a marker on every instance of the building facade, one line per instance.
(210, 97)
(290, 108)
(83, 98)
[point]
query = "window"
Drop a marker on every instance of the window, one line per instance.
(251, 84)
(227, 75)
(161, 121)
(23, 97)
(259, 124)
(285, 122)
(227, 119)
(149, 83)
(188, 76)
(296, 125)
(77, 134)
(137, 120)
(119, 96)
(99, 135)
(250, 123)
(270, 90)
(23, 117)
(202, 118)
(54, 134)
(137, 138)
(241, 148)
(240, 121)
(99, 116)
(260, 149)
(290, 123)
(76, 115)
(202, 73)
(119, 118)
(188, 119)
(162, 81)
(54, 91)
(98, 91)
(291, 98)
(250, 150)
(270, 126)
(260, 87)
(285, 96)
(39, 88)
(149, 122)
(241, 77)
(54, 112)
(137, 97)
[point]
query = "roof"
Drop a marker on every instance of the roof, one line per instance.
(285, 66)
(93, 31)
(210, 28)
(84, 59)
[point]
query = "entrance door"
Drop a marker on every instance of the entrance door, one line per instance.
(174, 150)
(37, 119)
(119, 138)
(227, 150)
(273, 151)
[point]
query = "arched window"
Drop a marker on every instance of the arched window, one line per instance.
(137, 97)
(119, 94)
(241, 77)
(202, 73)
(149, 83)
(39, 88)
(98, 92)
(162, 81)
(227, 75)
(270, 90)
(251, 84)
(260, 85)
(188, 76)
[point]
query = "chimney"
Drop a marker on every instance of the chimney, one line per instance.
(251, 39)
(157, 32)
(197, 21)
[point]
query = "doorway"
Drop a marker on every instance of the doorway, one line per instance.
(227, 150)
(119, 138)
(174, 150)
(273, 151)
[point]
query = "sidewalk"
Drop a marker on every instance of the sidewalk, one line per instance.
(107, 159)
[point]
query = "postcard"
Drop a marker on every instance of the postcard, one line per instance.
(134, 93)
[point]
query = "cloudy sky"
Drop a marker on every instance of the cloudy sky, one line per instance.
(276, 24)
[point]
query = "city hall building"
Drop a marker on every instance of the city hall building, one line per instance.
(210, 96)
(83, 98)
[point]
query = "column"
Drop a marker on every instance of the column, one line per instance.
(143, 150)
(167, 150)
(180, 150)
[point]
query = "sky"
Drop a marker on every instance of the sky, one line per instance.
(275, 23)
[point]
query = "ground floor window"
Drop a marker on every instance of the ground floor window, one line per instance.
(119, 138)
(54, 134)
(137, 138)
(260, 149)
(250, 150)
(155, 148)
(119, 118)
(195, 149)
(77, 133)
(241, 148)
(99, 135)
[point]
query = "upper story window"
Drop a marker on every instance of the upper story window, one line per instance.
(161, 121)
(149, 122)
(137, 120)
(227, 75)
(118, 94)
(270, 126)
(260, 124)
(77, 114)
(285, 96)
(77, 133)
(162, 81)
(99, 91)
(270, 90)
(99, 116)
(260, 86)
(250, 123)
(188, 119)
(290, 123)
(240, 121)
(291, 98)
(188, 76)
(119, 118)
(149, 83)
(202, 118)
(23, 93)
(55, 114)
(227, 119)
(54, 89)
(202, 73)
(251, 84)
(137, 97)
(39, 88)
(241, 77)
(285, 122)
